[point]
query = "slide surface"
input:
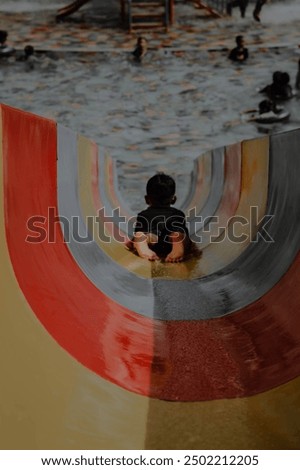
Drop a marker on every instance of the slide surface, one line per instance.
(101, 349)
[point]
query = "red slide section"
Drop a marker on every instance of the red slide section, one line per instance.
(101, 334)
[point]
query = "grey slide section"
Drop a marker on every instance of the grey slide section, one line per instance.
(216, 189)
(113, 280)
(193, 186)
(248, 278)
(126, 227)
(261, 265)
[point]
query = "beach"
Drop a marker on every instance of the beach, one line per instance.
(184, 99)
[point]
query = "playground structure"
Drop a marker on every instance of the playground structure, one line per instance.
(101, 349)
(147, 14)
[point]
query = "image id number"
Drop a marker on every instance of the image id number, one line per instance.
(221, 460)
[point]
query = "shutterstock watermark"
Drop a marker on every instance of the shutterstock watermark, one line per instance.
(116, 227)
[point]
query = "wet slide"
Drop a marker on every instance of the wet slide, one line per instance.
(103, 350)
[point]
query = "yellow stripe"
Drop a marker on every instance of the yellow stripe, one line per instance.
(270, 420)
(203, 184)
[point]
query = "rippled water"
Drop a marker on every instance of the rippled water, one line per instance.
(159, 115)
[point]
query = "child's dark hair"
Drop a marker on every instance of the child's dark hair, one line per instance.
(161, 188)
(239, 38)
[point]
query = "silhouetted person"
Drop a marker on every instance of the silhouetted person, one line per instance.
(239, 53)
(269, 113)
(5, 50)
(27, 52)
(280, 88)
(242, 4)
(258, 6)
(140, 49)
(267, 106)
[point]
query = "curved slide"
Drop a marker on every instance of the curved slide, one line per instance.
(101, 349)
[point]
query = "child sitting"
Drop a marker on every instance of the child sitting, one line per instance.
(160, 230)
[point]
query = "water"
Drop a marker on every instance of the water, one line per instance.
(156, 116)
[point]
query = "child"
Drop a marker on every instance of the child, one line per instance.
(160, 230)
(140, 49)
(268, 106)
(280, 88)
(28, 57)
(5, 50)
(239, 53)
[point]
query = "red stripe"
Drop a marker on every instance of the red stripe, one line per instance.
(98, 332)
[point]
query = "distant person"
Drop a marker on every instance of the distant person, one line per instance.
(160, 231)
(28, 57)
(5, 50)
(28, 51)
(239, 53)
(267, 106)
(140, 49)
(242, 4)
(280, 88)
(297, 83)
(258, 6)
(272, 89)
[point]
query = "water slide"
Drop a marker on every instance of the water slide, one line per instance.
(103, 350)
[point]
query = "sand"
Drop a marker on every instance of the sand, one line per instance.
(185, 98)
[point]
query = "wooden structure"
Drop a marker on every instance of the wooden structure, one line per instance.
(147, 14)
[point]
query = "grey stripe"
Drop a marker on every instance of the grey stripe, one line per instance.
(216, 189)
(116, 282)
